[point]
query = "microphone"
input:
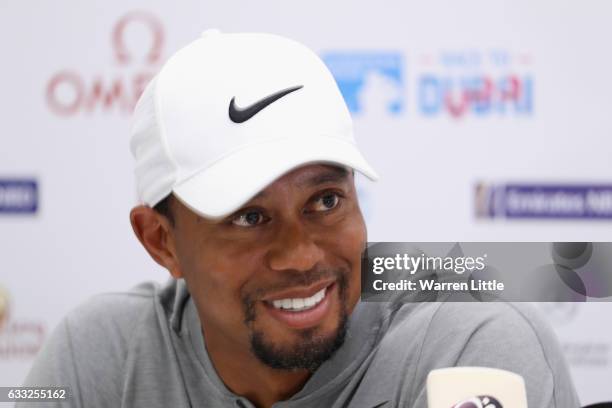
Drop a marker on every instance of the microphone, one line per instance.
(475, 387)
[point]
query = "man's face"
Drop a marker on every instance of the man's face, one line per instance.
(279, 277)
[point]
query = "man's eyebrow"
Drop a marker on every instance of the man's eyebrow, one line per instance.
(331, 175)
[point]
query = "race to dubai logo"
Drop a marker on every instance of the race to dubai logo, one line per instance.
(475, 83)
(19, 339)
(69, 92)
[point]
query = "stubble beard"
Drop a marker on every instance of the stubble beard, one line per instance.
(311, 350)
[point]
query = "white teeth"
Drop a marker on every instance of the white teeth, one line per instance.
(299, 304)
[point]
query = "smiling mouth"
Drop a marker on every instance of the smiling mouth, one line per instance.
(301, 309)
(299, 304)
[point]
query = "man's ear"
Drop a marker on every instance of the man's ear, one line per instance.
(154, 232)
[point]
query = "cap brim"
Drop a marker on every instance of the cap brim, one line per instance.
(225, 186)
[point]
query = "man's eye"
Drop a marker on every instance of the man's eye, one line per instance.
(248, 219)
(326, 202)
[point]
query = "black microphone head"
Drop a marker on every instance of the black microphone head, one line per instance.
(482, 401)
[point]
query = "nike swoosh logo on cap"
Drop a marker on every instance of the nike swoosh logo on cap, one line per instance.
(239, 115)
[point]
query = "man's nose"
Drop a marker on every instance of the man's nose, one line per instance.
(294, 248)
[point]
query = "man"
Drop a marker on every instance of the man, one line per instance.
(244, 167)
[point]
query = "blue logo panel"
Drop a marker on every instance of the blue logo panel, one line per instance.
(368, 80)
(542, 201)
(18, 196)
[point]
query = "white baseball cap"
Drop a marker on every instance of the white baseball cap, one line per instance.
(230, 113)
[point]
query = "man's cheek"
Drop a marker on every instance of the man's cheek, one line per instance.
(354, 226)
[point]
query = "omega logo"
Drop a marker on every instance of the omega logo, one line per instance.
(69, 92)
